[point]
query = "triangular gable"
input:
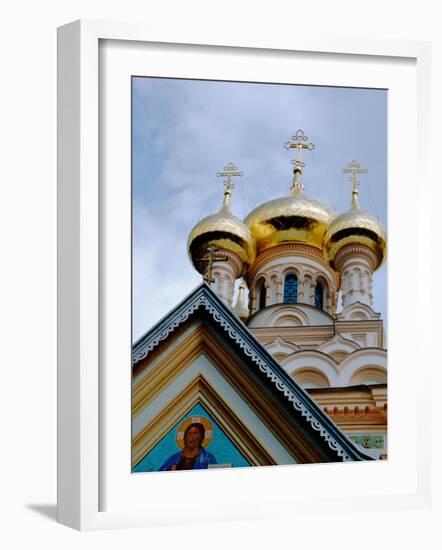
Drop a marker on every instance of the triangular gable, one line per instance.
(197, 368)
(219, 444)
(300, 406)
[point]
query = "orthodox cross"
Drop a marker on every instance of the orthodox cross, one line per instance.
(353, 168)
(211, 250)
(299, 144)
(230, 171)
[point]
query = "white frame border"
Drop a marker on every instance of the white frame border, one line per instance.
(78, 251)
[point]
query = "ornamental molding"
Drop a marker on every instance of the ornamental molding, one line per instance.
(359, 411)
(348, 252)
(289, 249)
(203, 297)
(338, 343)
(233, 260)
(282, 343)
(349, 312)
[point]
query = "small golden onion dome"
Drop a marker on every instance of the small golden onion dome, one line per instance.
(225, 231)
(294, 218)
(356, 227)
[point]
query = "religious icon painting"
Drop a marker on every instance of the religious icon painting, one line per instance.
(258, 274)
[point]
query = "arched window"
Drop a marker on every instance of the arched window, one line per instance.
(291, 289)
(262, 294)
(319, 295)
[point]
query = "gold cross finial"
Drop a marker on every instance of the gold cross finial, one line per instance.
(299, 144)
(353, 168)
(210, 258)
(230, 171)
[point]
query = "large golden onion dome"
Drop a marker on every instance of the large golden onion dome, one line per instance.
(356, 226)
(222, 230)
(294, 218)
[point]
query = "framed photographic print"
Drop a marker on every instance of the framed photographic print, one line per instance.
(284, 251)
(226, 295)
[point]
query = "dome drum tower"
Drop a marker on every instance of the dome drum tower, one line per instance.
(356, 263)
(289, 233)
(220, 246)
(276, 265)
(227, 267)
(355, 243)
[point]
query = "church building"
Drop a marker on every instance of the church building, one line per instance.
(271, 371)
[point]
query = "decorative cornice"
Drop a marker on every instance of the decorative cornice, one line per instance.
(289, 249)
(358, 307)
(233, 259)
(204, 298)
(355, 250)
(355, 405)
(278, 341)
(338, 339)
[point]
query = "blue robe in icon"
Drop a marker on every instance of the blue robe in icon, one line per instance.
(201, 462)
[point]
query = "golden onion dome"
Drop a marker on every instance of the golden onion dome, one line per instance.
(222, 230)
(294, 218)
(356, 226)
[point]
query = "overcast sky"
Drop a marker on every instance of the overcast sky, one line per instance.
(184, 131)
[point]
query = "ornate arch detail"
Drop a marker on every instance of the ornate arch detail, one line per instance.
(312, 360)
(289, 315)
(281, 346)
(262, 277)
(324, 278)
(339, 347)
(261, 287)
(358, 312)
(319, 276)
(324, 291)
(292, 270)
(373, 358)
(369, 375)
(309, 377)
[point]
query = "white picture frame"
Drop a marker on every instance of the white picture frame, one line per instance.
(79, 268)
